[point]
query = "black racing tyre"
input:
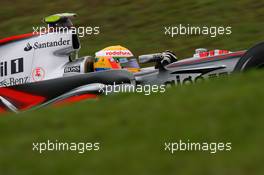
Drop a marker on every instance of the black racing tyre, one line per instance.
(252, 59)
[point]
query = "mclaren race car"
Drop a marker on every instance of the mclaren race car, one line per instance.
(43, 68)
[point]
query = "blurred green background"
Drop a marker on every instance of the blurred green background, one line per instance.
(132, 128)
(139, 25)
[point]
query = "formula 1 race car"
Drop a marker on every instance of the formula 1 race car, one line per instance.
(43, 68)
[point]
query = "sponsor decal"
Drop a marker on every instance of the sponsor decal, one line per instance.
(43, 45)
(117, 53)
(14, 81)
(195, 75)
(182, 79)
(3, 69)
(15, 66)
(72, 69)
(38, 74)
(28, 47)
(114, 53)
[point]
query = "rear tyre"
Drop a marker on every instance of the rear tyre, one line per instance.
(252, 59)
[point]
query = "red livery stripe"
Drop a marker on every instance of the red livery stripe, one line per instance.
(76, 98)
(17, 37)
(21, 100)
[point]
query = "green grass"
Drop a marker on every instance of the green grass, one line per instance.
(132, 128)
(139, 25)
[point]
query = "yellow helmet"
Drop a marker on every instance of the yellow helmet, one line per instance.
(122, 56)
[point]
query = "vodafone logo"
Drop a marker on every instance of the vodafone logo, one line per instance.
(38, 74)
(118, 53)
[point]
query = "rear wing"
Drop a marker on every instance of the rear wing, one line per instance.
(60, 20)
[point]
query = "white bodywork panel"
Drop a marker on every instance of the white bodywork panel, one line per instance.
(35, 59)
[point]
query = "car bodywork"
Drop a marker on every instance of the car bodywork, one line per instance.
(41, 69)
(188, 70)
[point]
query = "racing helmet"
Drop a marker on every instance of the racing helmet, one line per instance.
(115, 57)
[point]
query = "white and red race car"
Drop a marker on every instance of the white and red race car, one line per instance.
(43, 69)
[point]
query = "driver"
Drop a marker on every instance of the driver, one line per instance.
(115, 57)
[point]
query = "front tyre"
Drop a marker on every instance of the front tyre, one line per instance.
(252, 59)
